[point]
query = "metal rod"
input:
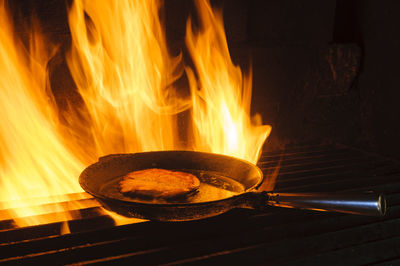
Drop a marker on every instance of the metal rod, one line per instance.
(364, 204)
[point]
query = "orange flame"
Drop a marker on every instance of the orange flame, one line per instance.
(122, 68)
(222, 95)
(120, 63)
(34, 162)
(125, 75)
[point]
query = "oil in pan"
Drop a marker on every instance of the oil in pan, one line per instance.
(213, 186)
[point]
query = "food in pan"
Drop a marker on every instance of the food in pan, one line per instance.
(159, 183)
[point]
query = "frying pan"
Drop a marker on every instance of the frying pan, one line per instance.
(226, 183)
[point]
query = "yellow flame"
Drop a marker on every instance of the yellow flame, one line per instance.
(120, 63)
(221, 96)
(34, 161)
(124, 73)
(122, 68)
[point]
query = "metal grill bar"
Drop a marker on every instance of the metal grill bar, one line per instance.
(279, 236)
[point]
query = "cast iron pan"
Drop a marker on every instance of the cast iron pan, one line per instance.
(226, 183)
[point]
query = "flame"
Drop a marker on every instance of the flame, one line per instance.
(34, 162)
(126, 77)
(121, 66)
(221, 96)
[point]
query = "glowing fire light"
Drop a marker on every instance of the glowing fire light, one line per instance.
(120, 63)
(221, 97)
(122, 68)
(123, 71)
(34, 161)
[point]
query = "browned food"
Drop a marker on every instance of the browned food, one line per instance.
(159, 183)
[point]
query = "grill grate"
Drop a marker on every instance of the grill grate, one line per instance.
(277, 236)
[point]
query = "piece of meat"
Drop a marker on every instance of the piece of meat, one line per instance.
(159, 183)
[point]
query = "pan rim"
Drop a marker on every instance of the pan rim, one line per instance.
(173, 204)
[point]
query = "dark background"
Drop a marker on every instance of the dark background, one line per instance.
(323, 71)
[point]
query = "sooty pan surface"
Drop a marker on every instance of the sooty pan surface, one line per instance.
(223, 180)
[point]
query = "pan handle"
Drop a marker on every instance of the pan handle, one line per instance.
(364, 204)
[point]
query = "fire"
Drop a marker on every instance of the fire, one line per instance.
(34, 161)
(121, 66)
(221, 96)
(126, 77)
(124, 73)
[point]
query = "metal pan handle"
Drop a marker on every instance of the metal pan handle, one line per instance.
(364, 204)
